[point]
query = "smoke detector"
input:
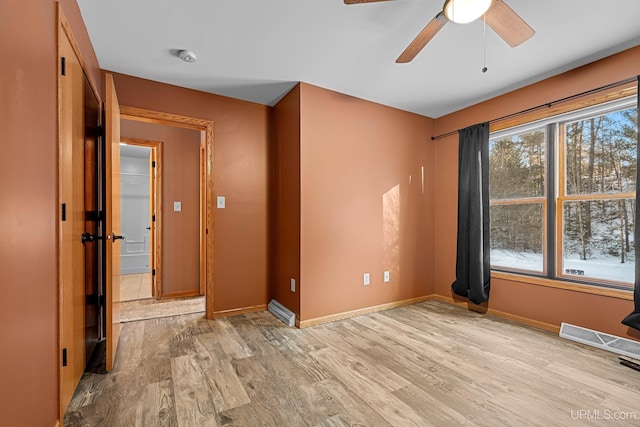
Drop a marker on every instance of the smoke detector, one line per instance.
(187, 56)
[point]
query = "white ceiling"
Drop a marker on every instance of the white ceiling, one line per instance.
(257, 50)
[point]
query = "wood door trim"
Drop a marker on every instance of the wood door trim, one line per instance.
(157, 145)
(206, 193)
(158, 117)
(112, 221)
(203, 214)
(66, 28)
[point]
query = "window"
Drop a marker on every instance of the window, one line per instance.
(562, 196)
(517, 190)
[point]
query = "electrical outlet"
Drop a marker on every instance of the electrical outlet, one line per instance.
(293, 284)
(366, 279)
(387, 276)
(177, 206)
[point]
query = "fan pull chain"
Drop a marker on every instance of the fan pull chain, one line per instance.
(484, 44)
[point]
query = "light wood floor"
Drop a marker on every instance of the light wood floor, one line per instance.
(429, 364)
(135, 287)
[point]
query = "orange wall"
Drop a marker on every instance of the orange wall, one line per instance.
(285, 258)
(181, 183)
(362, 206)
(28, 207)
(241, 146)
(353, 155)
(540, 303)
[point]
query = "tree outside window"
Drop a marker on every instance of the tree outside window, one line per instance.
(588, 203)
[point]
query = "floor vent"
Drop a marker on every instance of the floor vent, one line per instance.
(601, 340)
(282, 313)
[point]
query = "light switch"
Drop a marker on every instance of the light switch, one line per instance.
(177, 206)
(221, 202)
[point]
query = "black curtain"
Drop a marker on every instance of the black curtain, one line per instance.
(633, 320)
(473, 268)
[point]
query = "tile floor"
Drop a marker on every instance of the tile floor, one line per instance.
(135, 287)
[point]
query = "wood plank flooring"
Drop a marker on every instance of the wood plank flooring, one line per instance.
(430, 364)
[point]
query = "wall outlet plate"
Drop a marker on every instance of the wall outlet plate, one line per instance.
(387, 276)
(221, 202)
(293, 284)
(366, 279)
(177, 206)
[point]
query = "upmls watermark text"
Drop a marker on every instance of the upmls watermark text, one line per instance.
(604, 414)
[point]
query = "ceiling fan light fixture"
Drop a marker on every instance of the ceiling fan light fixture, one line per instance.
(187, 56)
(465, 11)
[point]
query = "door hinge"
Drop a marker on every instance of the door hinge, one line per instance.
(153, 272)
(153, 163)
(101, 131)
(103, 300)
(92, 215)
(206, 231)
(63, 66)
(63, 212)
(64, 357)
(153, 218)
(88, 237)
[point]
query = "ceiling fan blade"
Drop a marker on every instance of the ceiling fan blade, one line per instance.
(361, 1)
(423, 38)
(508, 24)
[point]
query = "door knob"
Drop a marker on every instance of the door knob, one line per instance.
(117, 237)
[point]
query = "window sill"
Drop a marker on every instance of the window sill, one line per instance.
(558, 284)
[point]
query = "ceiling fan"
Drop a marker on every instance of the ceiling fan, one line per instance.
(497, 14)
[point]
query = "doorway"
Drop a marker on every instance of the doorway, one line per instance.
(140, 216)
(203, 200)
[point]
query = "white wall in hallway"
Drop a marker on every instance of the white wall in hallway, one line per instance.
(134, 209)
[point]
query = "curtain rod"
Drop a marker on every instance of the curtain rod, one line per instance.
(550, 104)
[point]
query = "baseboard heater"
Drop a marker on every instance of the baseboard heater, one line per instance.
(601, 340)
(282, 313)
